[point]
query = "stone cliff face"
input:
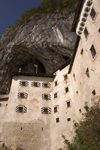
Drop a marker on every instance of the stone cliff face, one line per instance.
(47, 42)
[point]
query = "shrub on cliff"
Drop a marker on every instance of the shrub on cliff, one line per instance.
(46, 7)
(87, 131)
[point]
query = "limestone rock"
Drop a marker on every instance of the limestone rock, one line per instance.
(47, 42)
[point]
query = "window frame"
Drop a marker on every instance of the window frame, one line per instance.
(67, 89)
(57, 120)
(68, 119)
(48, 110)
(91, 12)
(86, 32)
(65, 77)
(93, 57)
(22, 95)
(56, 83)
(68, 105)
(55, 95)
(24, 109)
(46, 96)
(57, 107)
(23, 83)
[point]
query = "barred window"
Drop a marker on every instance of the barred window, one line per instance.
(21, 109)
(23, 83)
(46, 96)
(35, 84)
(93, 51)
(22, 95)
(46, 85)
(46, 110)
(93, 13)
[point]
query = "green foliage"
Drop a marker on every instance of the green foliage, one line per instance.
(46, 7)
(87, 132)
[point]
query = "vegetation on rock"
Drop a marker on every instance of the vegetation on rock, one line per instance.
(87, 131)
(46, 7)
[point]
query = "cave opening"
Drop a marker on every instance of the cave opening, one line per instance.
(25, 62)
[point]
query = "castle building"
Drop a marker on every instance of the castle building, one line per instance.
(42, 107)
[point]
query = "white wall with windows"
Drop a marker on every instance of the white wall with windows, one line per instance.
(87, 62)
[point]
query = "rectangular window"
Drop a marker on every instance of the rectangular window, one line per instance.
(57, 120)
(22, 95)
(65, 77)
(93, 51)
(35, 84)
(55, 109)
(46, 110)
(23, 83)
(46, 85)
(68, 119)
(81, 51)
(46, 96)
(68, 104)
(56, 83)
(55, 95)
(86, 32)
(21, 109)
(93, 13)
(66, 89)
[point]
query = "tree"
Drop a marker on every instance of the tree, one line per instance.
(87, 131)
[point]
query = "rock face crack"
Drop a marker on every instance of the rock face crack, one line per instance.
(46, 42)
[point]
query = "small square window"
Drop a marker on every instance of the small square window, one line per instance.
(45, 96)
(22, 95)
(86, 32)
(23, 83)
(93, 13)
(93, 51)
(65, 77)
(80, 110)
(55, 109)
(94, 92)
(20, 109)
(66, 89)
(57, 120)
(56, 83)
(68, 104)
(55, 95)
(68, 119)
